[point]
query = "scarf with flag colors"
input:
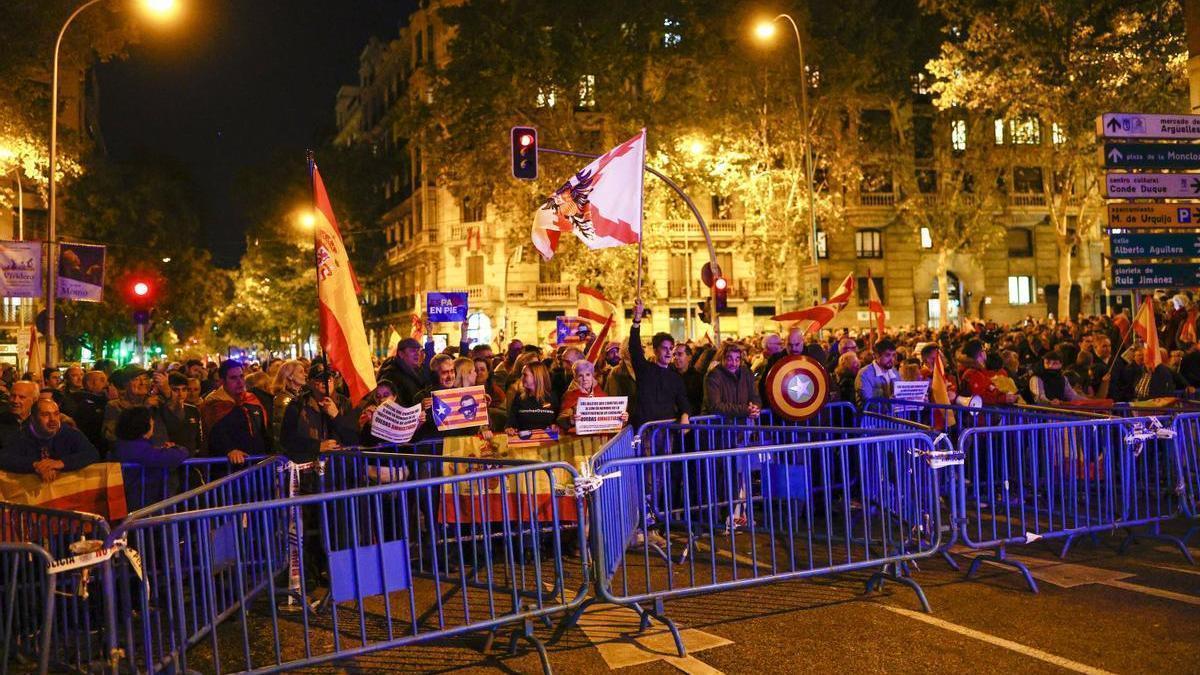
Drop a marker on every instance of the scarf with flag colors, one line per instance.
(938, 391)
(875, 305)
(459, 408)
(599, 311)
(813, 319)
(343, 337)
(1144, 328)
(601, 204)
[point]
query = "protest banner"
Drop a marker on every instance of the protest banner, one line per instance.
(599, 414)
(446, 307)
(459, 408)
(394, 423)
(917, 391)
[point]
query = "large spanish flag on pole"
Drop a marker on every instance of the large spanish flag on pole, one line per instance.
(343, 337)
(1144, 327)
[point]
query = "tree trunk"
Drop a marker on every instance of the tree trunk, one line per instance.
(943, 284)
(1063, 311)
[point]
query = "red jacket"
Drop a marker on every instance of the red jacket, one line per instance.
(974, 381)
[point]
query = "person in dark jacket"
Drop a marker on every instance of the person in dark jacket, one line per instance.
(182, 418)
(407, 372)
(46, 446)
(661, 393)
(729, 388)
(90, 403)
(318, 419)
(147, 469)
(693, 379)
(234, 421)
(534, 406)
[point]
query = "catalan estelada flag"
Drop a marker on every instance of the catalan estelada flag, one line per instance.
(343, 337)
(567, 332)
(599, 311)
(459, 408)
(531, 438)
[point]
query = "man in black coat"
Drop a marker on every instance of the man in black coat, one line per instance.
(661, 393)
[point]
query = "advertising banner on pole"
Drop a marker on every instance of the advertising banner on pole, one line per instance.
(81, 272)
(21, 269)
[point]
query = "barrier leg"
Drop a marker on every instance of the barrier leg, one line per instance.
(659, 614)
(525, 632)
(892, 572)
(950, 560)
(1000, 557)
(1132, 537)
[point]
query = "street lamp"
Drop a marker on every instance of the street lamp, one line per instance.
(515, 256)
(765, 30)
(306, 219)
(157, 8)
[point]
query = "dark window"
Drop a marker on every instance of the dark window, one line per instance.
(720, 206)
(549, 271)
(548, 315)
(923, 137)
(1027, 180)
(764, 311)
(471, 210)
(1020, 243)
(875, 127)
(876, 180)
(824, 289)
(864, 294)
(868, 244)
(926, 181)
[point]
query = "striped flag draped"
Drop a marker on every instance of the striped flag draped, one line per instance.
(599, 311)
(813, 319)
(343, 337)
(1143, 326)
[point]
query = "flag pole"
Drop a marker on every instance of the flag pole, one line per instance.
(641, 212)
(312, 190)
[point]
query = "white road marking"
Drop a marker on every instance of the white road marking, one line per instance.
(613, 631)
(1017, 647)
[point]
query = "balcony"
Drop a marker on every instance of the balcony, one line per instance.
(719, 229)
(477, 294)
(678, 290)
(1026, 200)
(556, 292)
(876, 199)
(765, 287)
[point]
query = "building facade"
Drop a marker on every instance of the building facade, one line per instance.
(437, 241)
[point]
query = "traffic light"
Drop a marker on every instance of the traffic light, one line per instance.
(140, 295)
(524, 153)
(720, 290)
(703, 315)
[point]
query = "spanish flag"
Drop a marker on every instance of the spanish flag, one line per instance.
(943, 418)
(343, 337)
(1143, 326)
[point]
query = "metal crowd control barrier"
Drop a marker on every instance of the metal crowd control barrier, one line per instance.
(27, 586)
(756, 515)
(238, 586)
(1059, 480)
(833, 414)
(146, 485)
(1187, 446)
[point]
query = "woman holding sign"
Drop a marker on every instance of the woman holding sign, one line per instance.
(582, 386)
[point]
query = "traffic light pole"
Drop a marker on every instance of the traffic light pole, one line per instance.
(141, 338)
(712, 251)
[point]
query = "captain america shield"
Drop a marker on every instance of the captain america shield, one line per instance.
(797, 387)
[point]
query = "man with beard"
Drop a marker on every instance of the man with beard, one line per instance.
(46, 446)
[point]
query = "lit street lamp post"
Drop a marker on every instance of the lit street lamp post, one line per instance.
(157, 7)
(765, 31)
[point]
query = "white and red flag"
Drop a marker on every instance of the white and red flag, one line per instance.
(343, 337)
(813, 319)
(601, 204)
(598, 311)
(1145, 328)
(875, 305)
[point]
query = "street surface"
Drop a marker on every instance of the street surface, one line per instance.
(1097, 612)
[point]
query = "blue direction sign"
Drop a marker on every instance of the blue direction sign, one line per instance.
(1144, 245)
(1151, 156)
(1148, 125)
(1151, 185)
(1158, 275)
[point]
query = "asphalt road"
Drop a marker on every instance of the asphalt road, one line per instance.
(1098, 611)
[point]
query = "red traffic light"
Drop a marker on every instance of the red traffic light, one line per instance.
(524, 153)
(141, 289)
(720, 283)
(525, 140)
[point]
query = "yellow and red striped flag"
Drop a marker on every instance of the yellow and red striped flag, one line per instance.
(1144, 327)
(97, 488)
(343, 337)
(599, 311)
(940, 393)
(461, 407)
(874, 304)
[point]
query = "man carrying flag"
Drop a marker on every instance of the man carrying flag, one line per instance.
(601, 204)
(601, 313)
(343, 337)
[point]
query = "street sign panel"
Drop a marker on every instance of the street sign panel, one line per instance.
(1165, 275)
(1151, 185)
(1132, 216)
(1151, 156)
(1139, 125)
(1146, 245)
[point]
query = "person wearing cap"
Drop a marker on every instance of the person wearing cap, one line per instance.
(407, 371)
(182, 418)
(137, 388)
(317, 419)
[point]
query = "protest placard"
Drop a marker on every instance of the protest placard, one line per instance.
(458, 408)
(599, 414)
(446, 307)
(394, 423)
(910, 391)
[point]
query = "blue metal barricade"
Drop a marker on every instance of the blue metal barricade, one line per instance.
(1187, 448)
(398, 562)
(755, 515)
(1027, 482)
(27, 614)
(833, 414)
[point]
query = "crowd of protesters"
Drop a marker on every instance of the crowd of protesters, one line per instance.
(158, 417)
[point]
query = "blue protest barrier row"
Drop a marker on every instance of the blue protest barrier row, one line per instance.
(1187, 442)
(27, 615)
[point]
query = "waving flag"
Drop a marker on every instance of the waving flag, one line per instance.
(874, 304)
(1143, 326)
(943, 418)
(1187, 332)
(343, 337)
(601, 204)
(416, 329)
(813, 319)
(599, 311)
(458, 408)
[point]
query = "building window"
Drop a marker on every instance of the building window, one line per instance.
(1058, 135)
(958, 135)
(822, 244)
(876, 180)
(471, 210)
(429, 43)
(1020, 243)
(921, 85)
(545, 97)
(1027, 180)
(475, 270)
(587, 92)
(999, 127)
(927, 181)
(1025, 130)
(875, 127)
(419, 47)
(549, 271)
(868, 244)
(864, 294)
(1020, 290)
(720, 206)
(922, 137)
(671, 35)
(926, 238)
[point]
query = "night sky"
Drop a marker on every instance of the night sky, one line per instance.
(232, 83)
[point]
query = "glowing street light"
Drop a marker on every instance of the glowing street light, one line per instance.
(697, 147)
(306, 220)
(764, 31)
(156, 8)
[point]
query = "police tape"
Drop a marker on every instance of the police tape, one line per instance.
(92, 552)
